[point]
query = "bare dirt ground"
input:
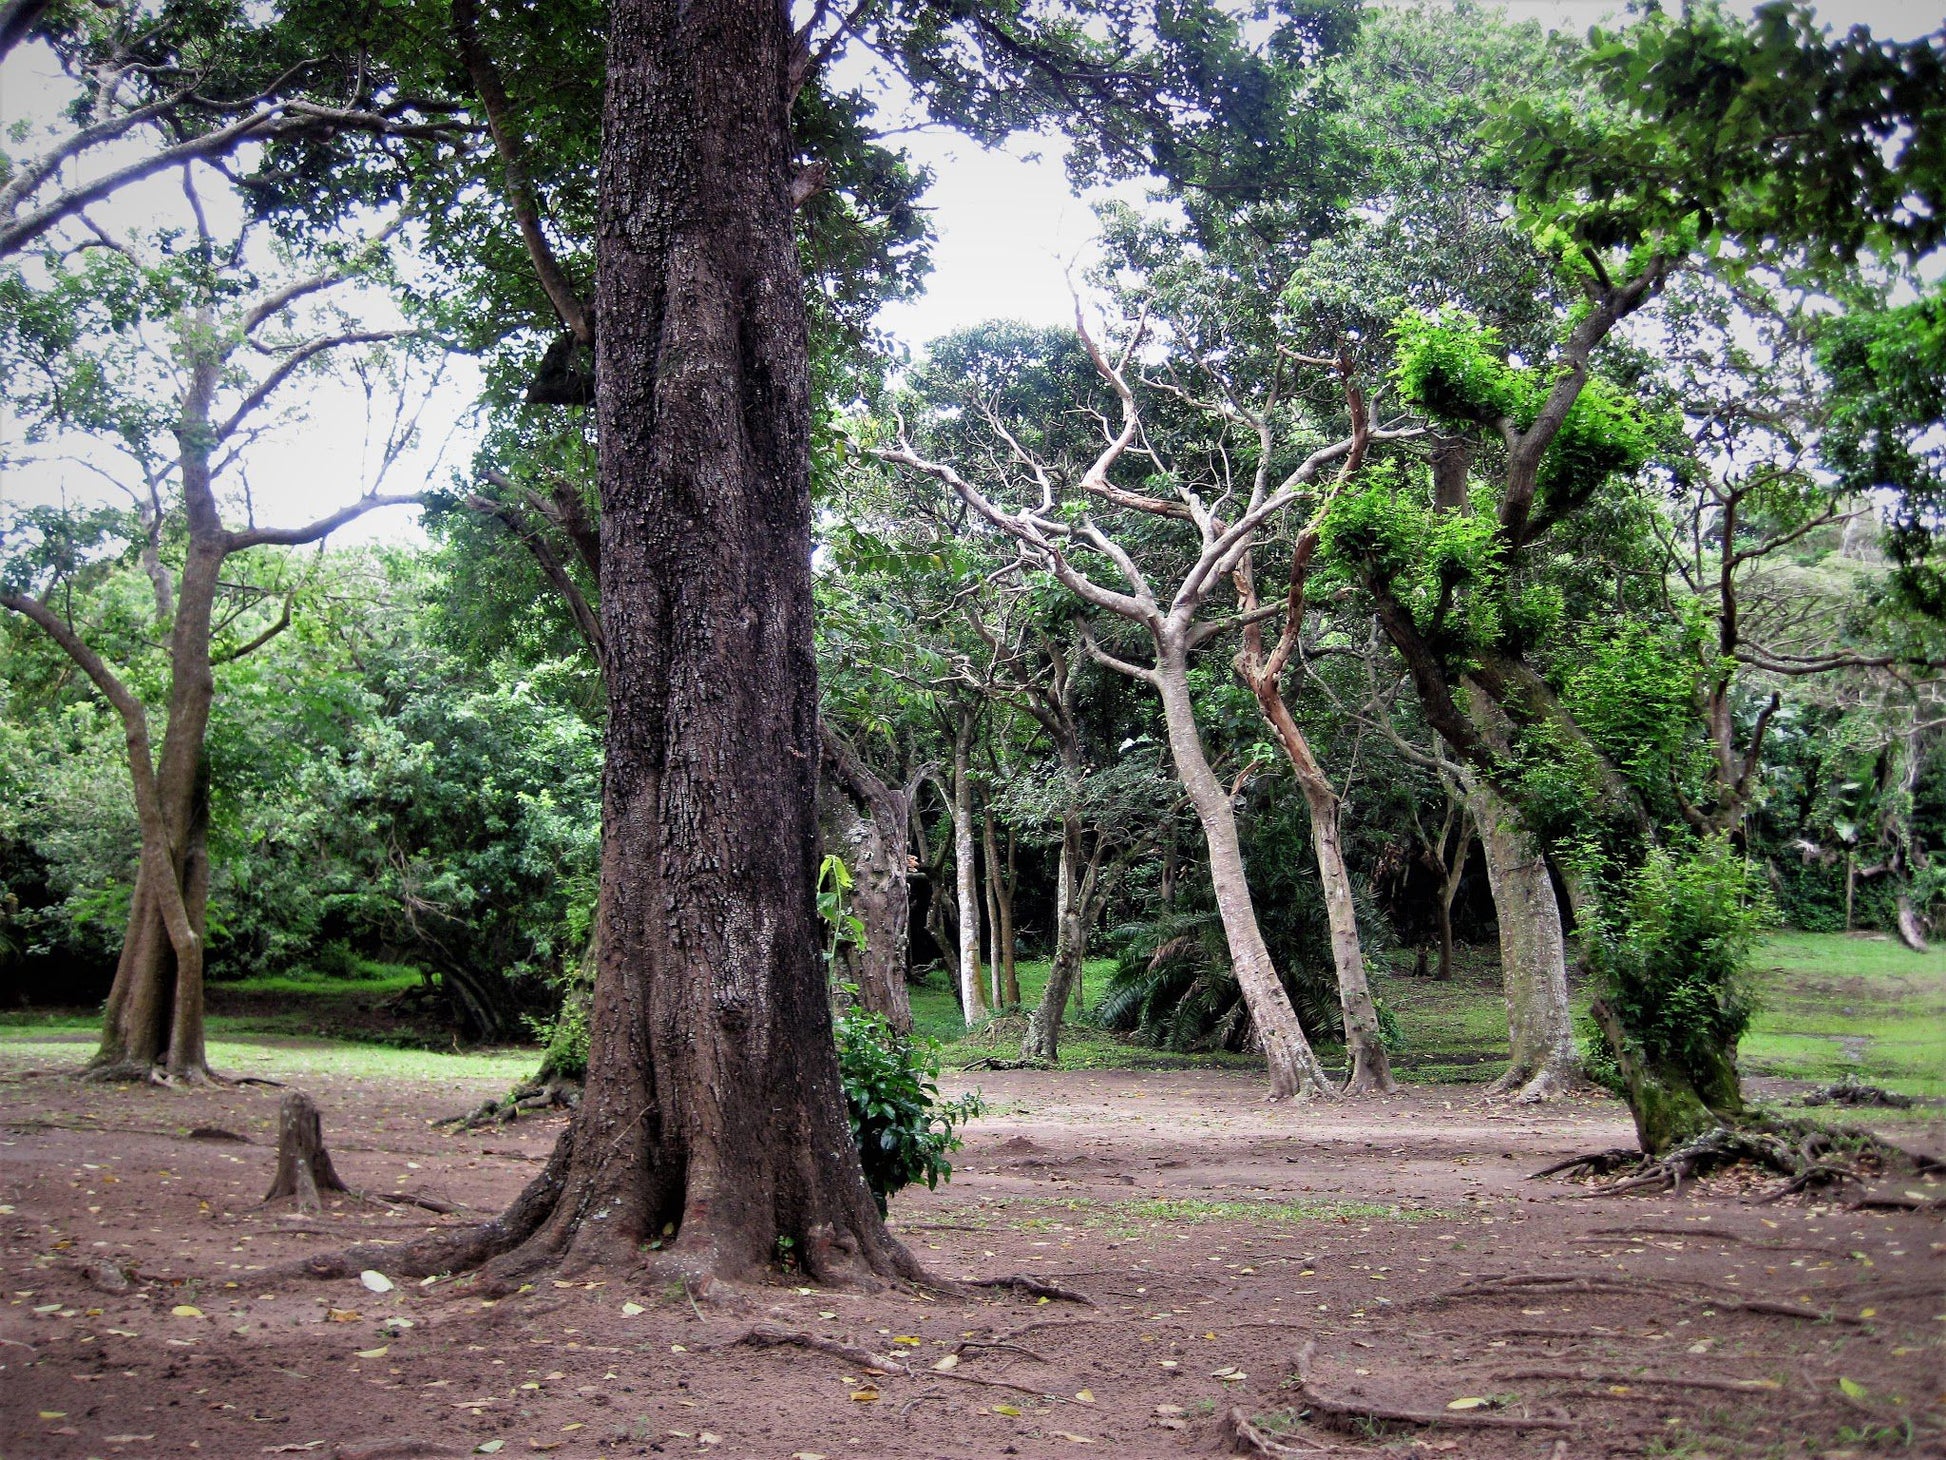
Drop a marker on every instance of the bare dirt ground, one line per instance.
(1215, 1237)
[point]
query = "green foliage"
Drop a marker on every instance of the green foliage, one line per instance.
(1770, 130)
(1454, 368)
(1887, 369)
(1603, 434)
(1672, 947)
(1385, 529)
(903, 1130)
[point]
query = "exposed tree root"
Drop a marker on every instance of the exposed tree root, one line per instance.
(1806, 1155)
(1241, 1437)
(543, 1092)
(1596, 1163)
(1514, 1284)
(769, 1335)
(1899, 1203)
(1360, 1416)
(1035, 1288)
(994, 1062)
(1678, 1381)
(1855, 1092)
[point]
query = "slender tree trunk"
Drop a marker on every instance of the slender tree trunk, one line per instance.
(713, 1122)
(996, 958)
(973, 1001)
(1533, 954)
(1371, 1066)
(154, 1013)
(1294, 1067)
(1449, 888)
(1000, 914)
(1073, 900)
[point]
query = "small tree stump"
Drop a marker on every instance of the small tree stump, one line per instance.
(303, 1165)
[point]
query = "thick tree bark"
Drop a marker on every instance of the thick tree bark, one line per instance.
(1542, 1061)
(972, 990)
(303, 1164)
(1294, 1067)
(713, 1123)
(863, 820)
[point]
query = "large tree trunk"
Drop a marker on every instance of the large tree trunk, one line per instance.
(1542, 1061)
(863, 820)
(1371, 1067)
(713, 1111)
(1294, 1067)
(972, 993)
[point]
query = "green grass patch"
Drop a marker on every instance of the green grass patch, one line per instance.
(288, 1058)
(1136, 1215)
(1837, 1004)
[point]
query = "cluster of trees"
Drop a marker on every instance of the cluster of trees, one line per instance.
(1485, 437)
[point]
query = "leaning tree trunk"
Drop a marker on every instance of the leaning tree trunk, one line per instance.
(1294, 1067)
(972, 993)
(1371, 1066)
(1533, 954)
(713, 1120)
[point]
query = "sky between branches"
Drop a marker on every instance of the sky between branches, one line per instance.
(1008, 228)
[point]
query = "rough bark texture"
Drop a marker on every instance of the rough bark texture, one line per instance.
(863, 820)
(1542, 1061)
(713, 1121)
(1294, 1067)
(303, 1164)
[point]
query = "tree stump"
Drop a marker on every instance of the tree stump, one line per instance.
(303, 1165)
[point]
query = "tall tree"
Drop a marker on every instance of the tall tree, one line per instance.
(157, 344)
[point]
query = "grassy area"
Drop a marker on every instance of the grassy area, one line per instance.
(1130, 1218)
(1830, 1004)
(1836, 1004)
(66, 1042)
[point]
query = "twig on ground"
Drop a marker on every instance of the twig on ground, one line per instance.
(1362, 1415)
(1035, 1288)
(966, 1343)
(1581, 1376)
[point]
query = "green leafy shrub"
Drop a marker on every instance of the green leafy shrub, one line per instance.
(903, 1129)
(1674, 954)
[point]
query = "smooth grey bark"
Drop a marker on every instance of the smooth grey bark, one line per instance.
(973, 1000)
(1294, 1067)
(1542, 1061)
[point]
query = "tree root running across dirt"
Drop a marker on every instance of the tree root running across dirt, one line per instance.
(1517, 1284)
(768, 1335)
(1809, 1157)
(1853, 1091)
(1034, 1288)
(1360, 1417)
(543, 1092)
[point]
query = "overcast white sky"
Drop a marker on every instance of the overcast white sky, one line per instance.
(1007, 226)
